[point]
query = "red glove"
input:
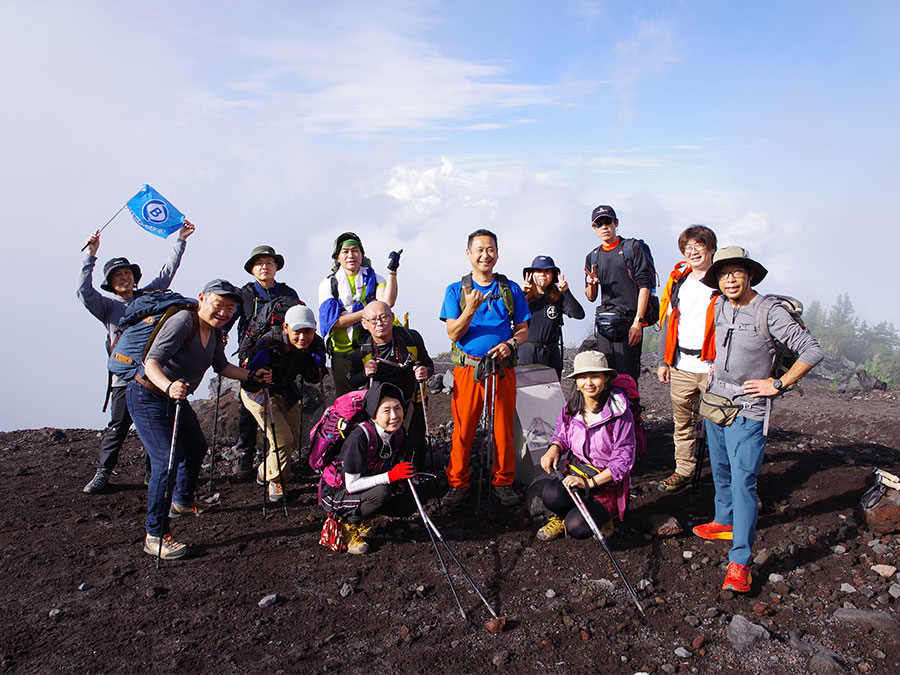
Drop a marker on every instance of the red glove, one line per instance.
(402, 471)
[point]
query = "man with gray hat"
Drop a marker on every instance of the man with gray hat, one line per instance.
(263, 263)
(738, 398)
(121, 278)
(343, 294)
(293, 352)
(185, 347)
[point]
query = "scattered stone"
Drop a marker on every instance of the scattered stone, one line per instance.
(550, 593)
(894, 591)
(85, 587)
(448, 380)
(268, 600)
(496, 625)
(55, 613)
(884, 517)
(838, 549)
(692, 620)
(878, 654)
(644, 584)
(698, 643)
(668, 668)
(762, 557)
(775, 578)
(683, 653)
(847, 588)
(663, 525)
(156, 591)
(687, 555)
(823, 662)
(884, 570)
(743, 633)
(862, 617)
(500, 658)
(346, 590)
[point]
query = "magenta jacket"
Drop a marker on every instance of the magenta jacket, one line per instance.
(607, 444)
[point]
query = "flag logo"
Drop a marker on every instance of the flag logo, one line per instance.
(155, 211)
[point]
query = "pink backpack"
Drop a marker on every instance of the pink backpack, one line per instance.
(627, 384)
(328, 434)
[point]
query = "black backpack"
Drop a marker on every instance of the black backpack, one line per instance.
(269, 317)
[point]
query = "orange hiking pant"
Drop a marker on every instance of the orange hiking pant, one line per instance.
(467, 404)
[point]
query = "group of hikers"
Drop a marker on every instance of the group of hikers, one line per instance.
(717, 352)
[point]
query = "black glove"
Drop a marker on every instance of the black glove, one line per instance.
(394, 260)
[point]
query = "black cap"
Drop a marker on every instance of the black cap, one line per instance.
(114, 264)
(603, 211)
(223, 287)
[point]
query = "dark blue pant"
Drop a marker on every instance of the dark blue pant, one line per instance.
(735, 457)
(154, 417)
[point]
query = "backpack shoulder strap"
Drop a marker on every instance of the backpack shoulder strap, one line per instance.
(762, 318)
(506, 294)
(334, 287)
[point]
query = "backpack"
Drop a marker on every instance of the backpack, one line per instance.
(782, 357)
(140, 325)
(456, 354)
(627, 384)
(328, 434)
(269, 317)
(651, 314)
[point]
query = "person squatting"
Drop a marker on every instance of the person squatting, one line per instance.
(715, 353)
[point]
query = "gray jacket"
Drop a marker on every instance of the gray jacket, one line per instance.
(110, 309)
(742, 353)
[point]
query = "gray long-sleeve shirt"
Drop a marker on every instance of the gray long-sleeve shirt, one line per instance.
(742, 352)
(110, 310)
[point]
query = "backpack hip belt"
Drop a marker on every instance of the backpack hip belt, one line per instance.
(147, 384)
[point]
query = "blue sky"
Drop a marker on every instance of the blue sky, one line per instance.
(413, 123)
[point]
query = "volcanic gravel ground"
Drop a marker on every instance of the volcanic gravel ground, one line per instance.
(79, 593)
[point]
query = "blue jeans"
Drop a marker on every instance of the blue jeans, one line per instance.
(735, 456)
(154, 417)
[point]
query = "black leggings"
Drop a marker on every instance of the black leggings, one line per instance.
(558, 500)
(382, 499)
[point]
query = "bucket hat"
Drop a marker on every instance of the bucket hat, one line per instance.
(542, 262)
(733, 255)
(261, 251)
(591, 362)
(114, 264)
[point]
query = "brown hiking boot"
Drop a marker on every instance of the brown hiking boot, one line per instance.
(674, 483)
(455, 496)
(507, 495)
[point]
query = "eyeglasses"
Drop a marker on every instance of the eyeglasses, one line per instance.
(381, 318)
(737, 274)
(602, 221)
(695, 248)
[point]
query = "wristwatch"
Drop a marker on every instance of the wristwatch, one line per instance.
(778, 385)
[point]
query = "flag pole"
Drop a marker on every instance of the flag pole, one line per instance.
(108, 222)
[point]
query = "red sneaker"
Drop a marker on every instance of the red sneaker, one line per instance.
(737, 578)
(713, 531)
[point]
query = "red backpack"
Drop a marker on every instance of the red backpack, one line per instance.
(627, 384)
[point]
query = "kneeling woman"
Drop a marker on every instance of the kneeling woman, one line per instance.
(361, 482)
(595, 435)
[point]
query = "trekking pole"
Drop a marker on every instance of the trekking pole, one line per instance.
(701, 449)
(270, 416)
(427, 427)
(434, 532)
(166, 495)
(490, 401)
(582, 508)
(212, 461)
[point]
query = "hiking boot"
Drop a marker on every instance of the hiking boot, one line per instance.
(367, 527)
(276, 493)
(356, 545)
(674, 483)
(195, 509)
(607, 529)
(244, 470)
(554, 529)
(98, 482)
(171, 549)
(738, 578)
(507, 495)
(455, 496)
(713, 531)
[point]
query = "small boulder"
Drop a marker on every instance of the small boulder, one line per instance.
(743, 634)
(862, 617)
(884, 517)
(268, 600)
